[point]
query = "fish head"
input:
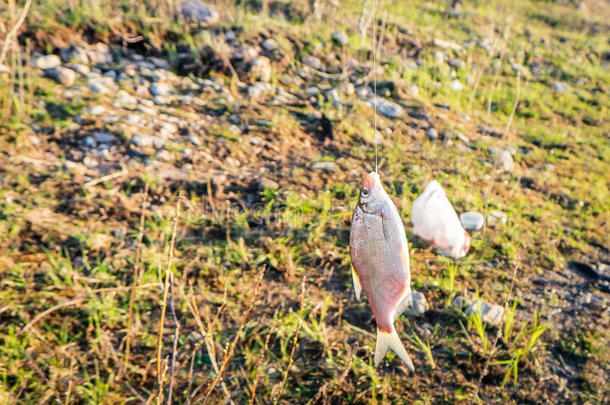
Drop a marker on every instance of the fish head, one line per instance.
(372, 194)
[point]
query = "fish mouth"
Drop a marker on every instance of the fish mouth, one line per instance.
(370, 180)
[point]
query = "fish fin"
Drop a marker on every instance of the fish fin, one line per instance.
(390, 340)
(357, 286)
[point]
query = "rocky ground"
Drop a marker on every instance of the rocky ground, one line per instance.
(229, 151)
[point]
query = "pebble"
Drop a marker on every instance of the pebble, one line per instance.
(496, 217)
(561, 87)
(260, 69)
(142, 140)
(126, 98)
(456, 85)
(326, 166)
(103, 137)
(388, 108)
(432, 134)
(334, 97)
(197, 11)
(491, 314)
(457, 63)
(61, 75)
(340, 37)
(269, 45)
(79, 68)
(505, 162)
(312, 91)
(96, 110)
(420, 304)
(47, 62)
(258, 89)
(312, 62)
(194, 140)
(255, 140)
(472, 221)
(268, 183)
(413, 91)
(160, 89)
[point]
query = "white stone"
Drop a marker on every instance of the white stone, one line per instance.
(472, 221)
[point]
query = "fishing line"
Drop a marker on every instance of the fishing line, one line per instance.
(375, 79)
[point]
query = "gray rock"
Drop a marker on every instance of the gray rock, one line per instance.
(413, 91)
(142, 140)
(269, 45)
(340, 37)
(312, 91)
(268, 183)
(456, 85)
(102, 85)
(126, 98)
(230, 36)
(432, 134)
(75, 54)
(490, 313)
(160, 89)
(420, 304)
(334, 97)
(89, 142)
(103, 137)
(496, 217)
(472, 221)
(457, 63)
(47, 62)
(61, 75)
(256, 141)
(326, 166)
(505, 162)
(194, 140)
(388, 108)
(96, 110)
(459, 302)
(258, 89)
(312, 62)
(364, 92)
(561, 87)
(99, 54)
(260, 69)
(199, 12)
(79, 68)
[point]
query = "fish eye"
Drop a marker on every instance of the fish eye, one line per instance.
(365, 191)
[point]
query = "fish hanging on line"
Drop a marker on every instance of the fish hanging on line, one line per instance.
(435, 221)
(380, 263)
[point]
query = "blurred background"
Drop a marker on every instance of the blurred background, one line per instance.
(177, 180)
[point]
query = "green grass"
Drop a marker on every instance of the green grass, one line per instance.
(72, 248)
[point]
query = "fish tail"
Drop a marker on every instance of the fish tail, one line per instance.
(390, 340)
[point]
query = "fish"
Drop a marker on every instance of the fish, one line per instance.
(434, 220)
(380, 264)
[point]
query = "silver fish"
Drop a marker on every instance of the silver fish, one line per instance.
(380, 263)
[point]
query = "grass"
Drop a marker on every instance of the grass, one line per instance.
(259, 278)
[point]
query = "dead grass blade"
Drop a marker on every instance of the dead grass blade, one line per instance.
(294, 344)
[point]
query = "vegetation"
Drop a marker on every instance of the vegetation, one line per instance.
(224, 276)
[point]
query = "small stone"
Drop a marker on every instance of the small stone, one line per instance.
(268, 183)
(61, 75)
(340, 38)
(505, 162)
(255, 140)
(96, 110)
(413, 91)
(496, 217)
(388, 108)
(89, 142)
(457, 63)
(312, 62)
(459, 302)
(456, 85)
(432, 134)
(197, 11)
(90, 162)
(79, 68)
(561, 87)
(260, 69)
(47, 62)
(472, 221)
(258, 89)
(142, 140)
(334, 97)
(269, 45)
(103, 137)
(126, 98)
(4, 69)
(420, 304)
(326, 166)
(194, 140)
(490, 313)
(348, 88)
(160, 89)
(312, 91)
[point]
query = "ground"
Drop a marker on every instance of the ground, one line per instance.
(174, 215)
